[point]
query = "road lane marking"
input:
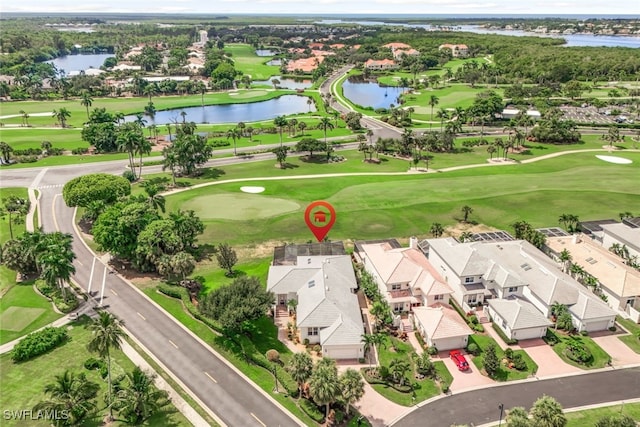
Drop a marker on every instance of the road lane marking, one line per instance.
(173, 344)
(114, 292)
(80, 262)
(210, 377)
(258, 419)
(53, 212)
(143, 318)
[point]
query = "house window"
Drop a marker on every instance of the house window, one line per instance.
(468, 280)
(313, 332)
(395, 287)
(504, 324)
(398, 307)
(513, 289)
(472, 299)
(438, 297)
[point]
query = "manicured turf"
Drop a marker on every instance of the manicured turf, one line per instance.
(404, 205)
(15, 318)
(589, 417)
(504, 373)
(8, 277)
(600, 357)
(633, 340)
(23, 384)
(246, 60)
(239, 206)
(23, 311)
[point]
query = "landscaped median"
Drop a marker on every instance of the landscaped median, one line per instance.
(577, 350)
(507, 361)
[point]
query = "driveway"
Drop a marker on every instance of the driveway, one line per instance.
(377, 409)
(468, 379)
(620, 353)
(549, 363)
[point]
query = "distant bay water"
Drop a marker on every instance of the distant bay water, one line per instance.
(571, 39)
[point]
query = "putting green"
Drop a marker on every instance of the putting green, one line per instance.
(17, 318)
(251, 94)
(239, 206)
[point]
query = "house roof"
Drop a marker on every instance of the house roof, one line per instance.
(405, 265)
(588, 308)
(441, 321)
(518, 313)
(379, 62)
(324, 287)
(397, 45)
(624, 234)
(620, 279)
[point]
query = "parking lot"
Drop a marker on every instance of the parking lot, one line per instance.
(591, 114)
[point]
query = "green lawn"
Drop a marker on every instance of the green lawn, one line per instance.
(214, 276)
(23, 384)
(263, 340)
(633, 340)
(600, 357)
(8, 277)
(589, 417)
(504, 373)
(427, 388)
(371, 207)
(246, 60)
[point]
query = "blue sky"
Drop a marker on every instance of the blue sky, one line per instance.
(334, 7)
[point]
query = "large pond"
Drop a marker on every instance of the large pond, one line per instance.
(233, 113)
(371, 94)
(71, 63)
(286, 83)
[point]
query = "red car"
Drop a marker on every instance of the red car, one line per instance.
(459, 359)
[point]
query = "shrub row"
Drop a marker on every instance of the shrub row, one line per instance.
(311, 409)
(499, 331)
(178, 292)
(80, 150)
(54, 294)
(472, 321)
(219, 143)
(38, 343)
(373, 380)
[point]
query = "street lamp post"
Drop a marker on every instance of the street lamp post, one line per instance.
(501, 407)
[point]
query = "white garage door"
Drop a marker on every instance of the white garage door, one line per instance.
(342, 353)
(527, 334)
(454, 343)
(600, 325)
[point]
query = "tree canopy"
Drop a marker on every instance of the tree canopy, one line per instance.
(83, 190)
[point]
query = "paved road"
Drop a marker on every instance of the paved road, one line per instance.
(481, 406)
(235, 401)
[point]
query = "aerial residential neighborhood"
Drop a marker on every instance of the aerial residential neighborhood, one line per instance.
(344, 218)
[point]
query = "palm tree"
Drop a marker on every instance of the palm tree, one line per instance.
(234, 134)
(150, 90)
(61, 116)
(547, 412)
(170, 162)
(379, 311)
(466, 211)
(201, 88)
(128, 140)
(142, 147)
(436, 229)
(491, 149)
(433, 101)
(140, 399)
(107, 335)
(309, 103)
(56, 267)
(280, 122)
(18, 206)
(154, 198)
(5, 151)
(565, 258)
(352, 386)
(324, 385)
(443, 115)
(465, 236)
(86, 101)
(399, 369)
(325, 123)
(300, 368)
(302, 126)
(71, 394)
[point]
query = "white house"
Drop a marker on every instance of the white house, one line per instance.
(591, 314)
(328, 312)
(619, 282)
(481, 271)
(442, 327)
(518, 318)
(622, 234)
(404, 275)
(457, 50)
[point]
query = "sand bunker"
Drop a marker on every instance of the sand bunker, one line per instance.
(615, 159)
(252, 190)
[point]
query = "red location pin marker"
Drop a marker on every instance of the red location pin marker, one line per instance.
(320, 217)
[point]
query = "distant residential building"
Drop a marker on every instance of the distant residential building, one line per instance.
(304, 65)
(398, 53)
(380, 64)
(396, 45)
(457, 50)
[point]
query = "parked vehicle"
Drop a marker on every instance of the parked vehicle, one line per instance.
(459, 359)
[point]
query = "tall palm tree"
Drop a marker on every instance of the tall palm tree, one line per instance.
(154, 198)
(140, 399)
(18, 206)
(170, 162)
(443, 115)
(142, 147)
(433, 101)
(234, 134)
(128, 140)
(280, 122)
(107, 335)
(140, 120)
(86, 101)
(71, 394)
(56, 268)
(325, 123)
(61, 116)
(399, 369)
(324, 385)
(466, 211)
(300, 368)
(352, 387)
(565, 258)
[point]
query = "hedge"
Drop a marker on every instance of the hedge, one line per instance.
(396, 387)
(181, 293)
(38, 343)
(311, 409)
(500, 332)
